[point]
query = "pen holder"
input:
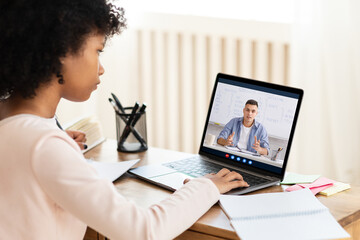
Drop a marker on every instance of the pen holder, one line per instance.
(131, 137)
(274, 154)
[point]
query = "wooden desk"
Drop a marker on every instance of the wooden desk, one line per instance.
(344, 206)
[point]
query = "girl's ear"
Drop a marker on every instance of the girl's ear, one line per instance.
(62, 60)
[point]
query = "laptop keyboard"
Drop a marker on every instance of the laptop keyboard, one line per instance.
(196, 167)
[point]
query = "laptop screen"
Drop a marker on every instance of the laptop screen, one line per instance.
(251, 124)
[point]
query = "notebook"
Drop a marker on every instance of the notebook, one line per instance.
(294, 215)
(271, 116)
(91, 126)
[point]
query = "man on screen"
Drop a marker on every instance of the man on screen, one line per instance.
(245, 132)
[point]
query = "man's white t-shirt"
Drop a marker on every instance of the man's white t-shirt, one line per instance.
(244, 137)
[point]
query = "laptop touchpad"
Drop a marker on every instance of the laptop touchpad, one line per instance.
(149, 171)
(174, 180)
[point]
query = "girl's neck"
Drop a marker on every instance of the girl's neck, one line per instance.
(44, 104)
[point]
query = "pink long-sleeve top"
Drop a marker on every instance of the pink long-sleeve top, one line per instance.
(49, 191)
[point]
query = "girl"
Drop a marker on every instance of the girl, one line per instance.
(50, 50)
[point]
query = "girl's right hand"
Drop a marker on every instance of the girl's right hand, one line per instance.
(225, 180)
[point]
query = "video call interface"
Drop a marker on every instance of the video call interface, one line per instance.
(274, 112)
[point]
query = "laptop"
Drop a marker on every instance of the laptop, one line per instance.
(274, 125)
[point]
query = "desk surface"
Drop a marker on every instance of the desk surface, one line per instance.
(344, 206)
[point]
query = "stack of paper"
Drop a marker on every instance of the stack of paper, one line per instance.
(315, 183)
(319, 185)
(286, 215)
(112, 170)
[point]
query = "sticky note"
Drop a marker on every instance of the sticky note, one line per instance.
(294, 178)
(337, 187)
(317, 186)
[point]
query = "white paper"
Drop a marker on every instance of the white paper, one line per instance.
(318, 226)
(112, 170)
(285, 215)
(235, 149)
(269, 203)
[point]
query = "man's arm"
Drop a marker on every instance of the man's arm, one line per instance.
(226, 142)
(258, 148)
(226, 136)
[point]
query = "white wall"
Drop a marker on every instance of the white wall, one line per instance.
(175, 76)
(323, 156)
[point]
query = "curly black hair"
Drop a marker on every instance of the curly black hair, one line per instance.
(35, 34)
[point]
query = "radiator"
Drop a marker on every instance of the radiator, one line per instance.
(177, 59)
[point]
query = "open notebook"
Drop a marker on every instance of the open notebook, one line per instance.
(285, 215)
(90, 125)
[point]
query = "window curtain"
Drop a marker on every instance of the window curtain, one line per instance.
(325, 62)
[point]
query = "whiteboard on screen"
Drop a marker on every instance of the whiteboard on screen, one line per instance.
(275, 112)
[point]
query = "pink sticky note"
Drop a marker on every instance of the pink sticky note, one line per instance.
(317, 186)
(322, 181)
(316, 190)
(294, 188)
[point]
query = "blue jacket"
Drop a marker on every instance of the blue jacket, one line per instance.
(257, 130)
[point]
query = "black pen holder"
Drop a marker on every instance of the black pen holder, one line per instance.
(131, 136)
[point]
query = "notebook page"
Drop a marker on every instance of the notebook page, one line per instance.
(270, 204)
(321, 225)
(286, 215)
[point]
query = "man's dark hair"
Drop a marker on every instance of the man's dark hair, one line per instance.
(35, 34)
(252, 102)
